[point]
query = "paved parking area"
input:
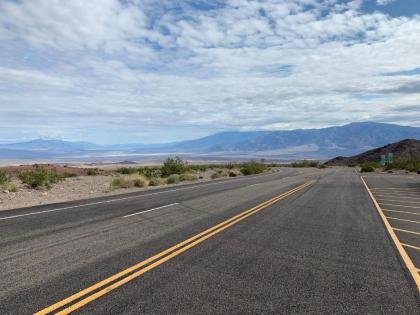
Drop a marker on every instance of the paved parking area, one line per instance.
(398, 199)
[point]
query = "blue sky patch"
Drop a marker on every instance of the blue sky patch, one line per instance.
(395, 8)
(411, 72)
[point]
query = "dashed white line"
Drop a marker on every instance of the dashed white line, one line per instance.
(253, 185)
(131, 197)
(157, 208)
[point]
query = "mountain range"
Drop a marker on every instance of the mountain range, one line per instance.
(322, 143)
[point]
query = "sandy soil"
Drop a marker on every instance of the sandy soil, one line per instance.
(74, 188)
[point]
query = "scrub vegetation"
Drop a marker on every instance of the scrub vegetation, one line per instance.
(5, 182)
(39, 178)
(129, 181)
(175, 170)
(411, 164)
(307, 163)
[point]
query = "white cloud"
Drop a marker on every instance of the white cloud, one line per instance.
(181, 71)
(384, 2)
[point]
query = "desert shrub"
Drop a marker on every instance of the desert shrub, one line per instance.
(156, 181)
(127, 170)
(198, 167)
(40, 178)
(67, 175)
(173, 179)
(151, 172)
(129, 181)
(116, 183)
(232, 174)
(126, 183)
(305, 163)
(322, 166)
(230, 166)
(367, 169)
(4, 178)
(252, 167)
(92, 171)
(173, 166)
(219, 171)
(140, 182)
(215, 175)
(5, 182)
(188, 177)
(10, 187)
(411, 164)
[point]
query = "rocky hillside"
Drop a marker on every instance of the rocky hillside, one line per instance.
(404, 148)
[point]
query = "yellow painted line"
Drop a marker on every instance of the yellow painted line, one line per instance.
(160, 258)
(406, 231)
(418, 213)
(411, 246)
(399, 219)
(383, 199)
(400, 248)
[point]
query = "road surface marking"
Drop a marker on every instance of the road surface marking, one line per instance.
(390, 204)
(153, 209)
(407, 260)
(130, 197)
(392, 218)
(411, 246)
(160, 258)
(252, 185)
(405, 192)
(395, 188)
(418, 213)
(383, 199)
(397, 196)
(406, 231)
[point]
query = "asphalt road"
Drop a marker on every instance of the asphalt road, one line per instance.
(321, 248)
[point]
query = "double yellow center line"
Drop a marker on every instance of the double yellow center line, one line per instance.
(103, 287)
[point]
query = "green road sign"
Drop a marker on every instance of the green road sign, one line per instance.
(387, 159)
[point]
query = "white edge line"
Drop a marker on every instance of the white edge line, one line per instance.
(141, 212)
(131, 197)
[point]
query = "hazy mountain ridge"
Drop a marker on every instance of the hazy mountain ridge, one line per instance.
(322, 143)
(327, 142)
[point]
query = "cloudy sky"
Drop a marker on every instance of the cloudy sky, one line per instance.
(112, 71)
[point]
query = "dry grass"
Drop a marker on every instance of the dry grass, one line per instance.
(129, 181)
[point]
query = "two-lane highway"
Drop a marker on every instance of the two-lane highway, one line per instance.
(297, 241)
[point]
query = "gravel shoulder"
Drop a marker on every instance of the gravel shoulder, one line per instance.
(74, 188)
